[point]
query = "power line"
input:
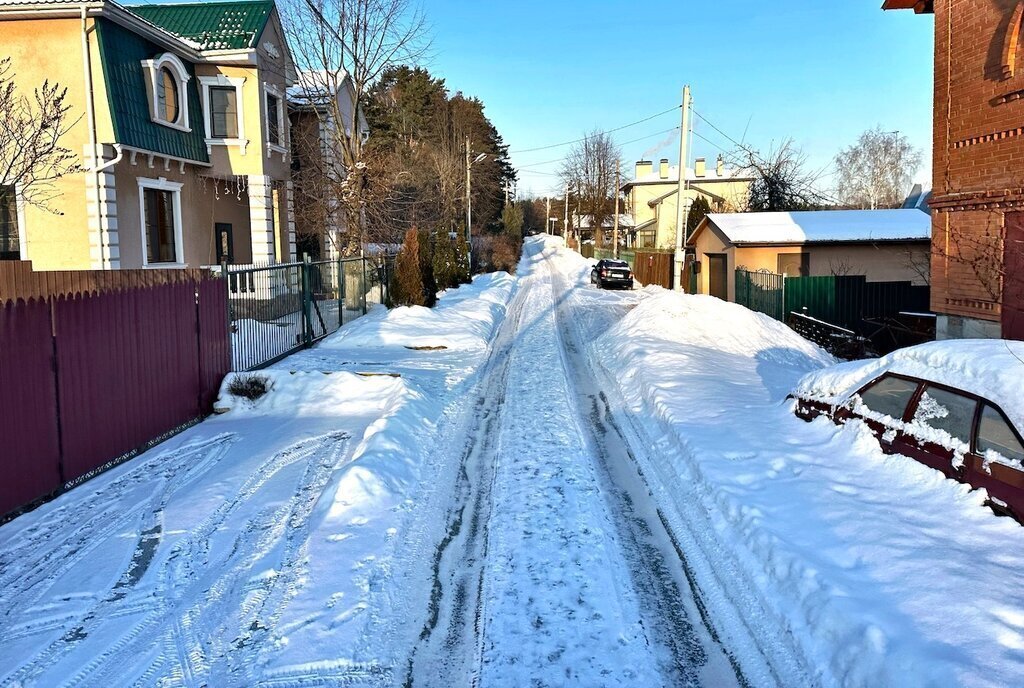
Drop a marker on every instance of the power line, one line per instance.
(754, 154)
(607, 131)
(625, 143)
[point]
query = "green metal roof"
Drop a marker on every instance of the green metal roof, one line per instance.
(122, 53)
(212, 25)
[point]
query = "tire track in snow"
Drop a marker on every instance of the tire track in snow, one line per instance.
(684, 648)
(459, 557)
(63, 540)
(189, 581)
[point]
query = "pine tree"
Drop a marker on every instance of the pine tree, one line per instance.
(462, 260)
(446, 269)
(407, 286)
(427, 268)
(512, 222)
(698, 211)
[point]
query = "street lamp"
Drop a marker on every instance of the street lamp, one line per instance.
(469, 202)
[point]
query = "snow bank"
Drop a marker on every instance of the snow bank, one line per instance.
(871, 570)
(993, 369)
(384, 464)
(464, 319)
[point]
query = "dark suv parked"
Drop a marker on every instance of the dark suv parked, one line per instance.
(612, 273)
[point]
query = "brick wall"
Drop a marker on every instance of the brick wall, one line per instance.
(979, 153)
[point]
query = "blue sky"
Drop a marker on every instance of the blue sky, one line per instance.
(819, 72)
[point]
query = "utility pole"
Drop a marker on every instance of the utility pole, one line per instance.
(682, 208)
(469, 208)
(615, 232)
(565, 224)
(547, 217)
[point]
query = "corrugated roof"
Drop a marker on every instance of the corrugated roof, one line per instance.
(212, 25)
(823, 226)
(123, 52)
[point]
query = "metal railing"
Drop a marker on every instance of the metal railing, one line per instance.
(276, 310)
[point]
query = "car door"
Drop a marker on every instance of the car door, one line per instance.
(939, 430)
(996, 460)
(883, 406)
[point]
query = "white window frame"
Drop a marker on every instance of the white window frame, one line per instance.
(178, 70)
(19, 217)
(19, 201)
(282, 120)
(224, 81)
(162, 184)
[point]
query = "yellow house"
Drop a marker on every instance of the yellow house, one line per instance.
(182, 128)
(882, 245)
(653, 194)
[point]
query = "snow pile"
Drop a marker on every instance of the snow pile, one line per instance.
(992, 369)
(872, 570)
(464, 319)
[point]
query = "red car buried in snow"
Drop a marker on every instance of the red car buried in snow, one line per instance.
(957, 406)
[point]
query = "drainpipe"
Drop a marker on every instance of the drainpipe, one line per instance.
(90, 112)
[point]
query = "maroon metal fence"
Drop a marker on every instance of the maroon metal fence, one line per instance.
(29, 444)
(87, 381)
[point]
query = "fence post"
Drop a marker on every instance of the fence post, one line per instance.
(363, 289)
(307, 301)
(341, 291)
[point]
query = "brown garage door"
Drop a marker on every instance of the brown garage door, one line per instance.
(718, 284)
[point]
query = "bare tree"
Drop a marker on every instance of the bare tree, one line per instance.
(876, 171)
(589, 169)
(781, 180)
(31, 128)
(342, 48)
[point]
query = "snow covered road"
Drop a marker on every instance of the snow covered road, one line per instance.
(556, 569)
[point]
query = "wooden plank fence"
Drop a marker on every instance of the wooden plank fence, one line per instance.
(19, 281)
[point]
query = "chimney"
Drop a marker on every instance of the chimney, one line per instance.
(644, 168)
(721, 166)
(701, 168)
(664, 168)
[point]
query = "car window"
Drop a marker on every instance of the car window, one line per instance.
(889, 396)
(947, 412)
(996, 435)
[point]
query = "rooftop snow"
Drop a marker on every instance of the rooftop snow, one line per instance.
(823, 226)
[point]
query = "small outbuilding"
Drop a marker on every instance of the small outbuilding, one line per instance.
(881, 245)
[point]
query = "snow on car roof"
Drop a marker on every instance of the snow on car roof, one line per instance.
(990, 368)
(823, 225)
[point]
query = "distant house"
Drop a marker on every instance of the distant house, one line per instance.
(322, 105)
(918, 199)
(652, 196)
(882, 245)
(584, 225)
(181, 128)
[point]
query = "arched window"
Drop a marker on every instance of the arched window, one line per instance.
(168, 80)
(168, 96)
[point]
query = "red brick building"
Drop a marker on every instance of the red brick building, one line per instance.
(978, 177)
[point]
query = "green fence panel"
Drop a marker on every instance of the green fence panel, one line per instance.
(813, 296)
(848, 300)
(762, 292)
